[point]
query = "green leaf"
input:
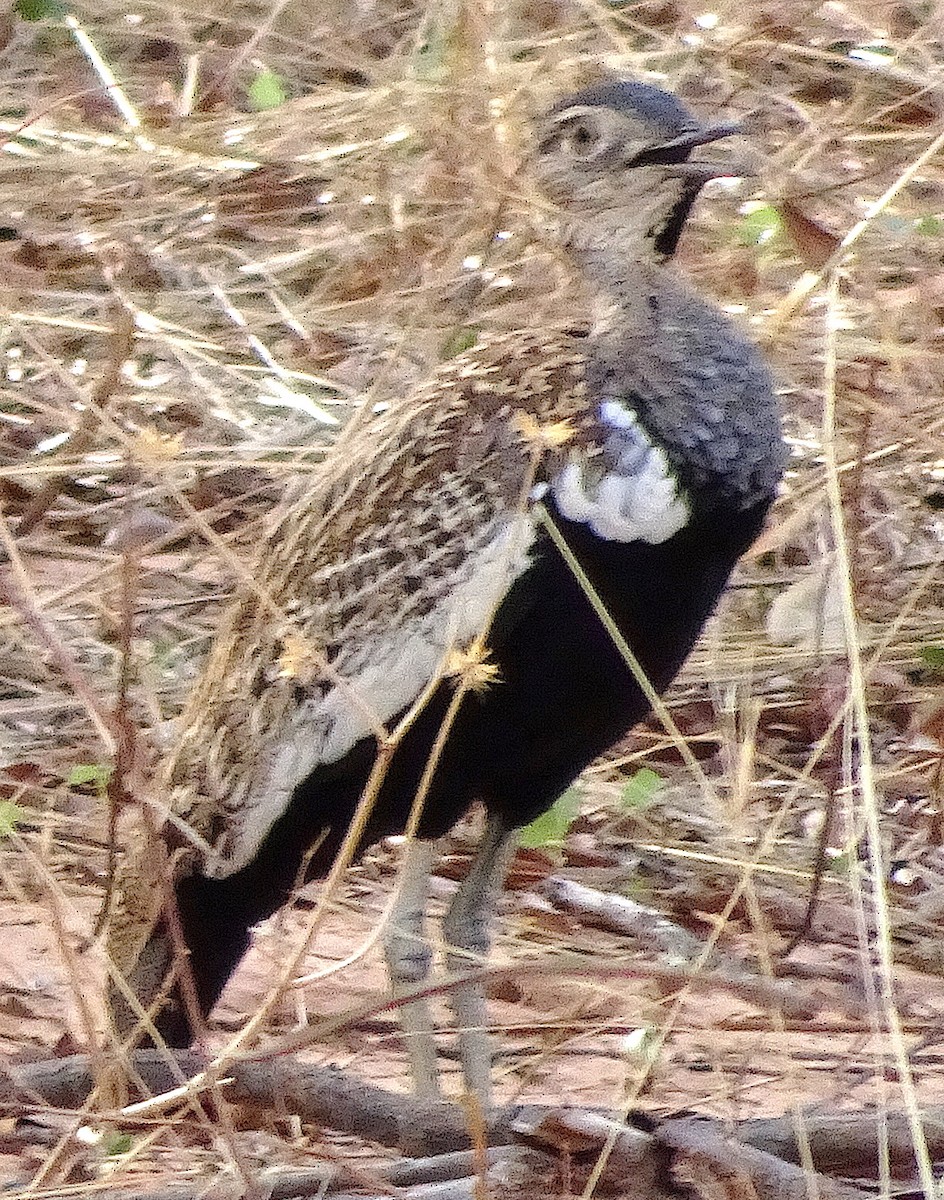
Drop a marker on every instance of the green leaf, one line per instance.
(459, 341)
(550, 828)
(639, 791)
(840, 863)
(933, 658)
(760, 224)
(267, 91)
(429, 60)
(118, 1143)
(10, 816)
(929, 226)
(40, 10)
(96, 774)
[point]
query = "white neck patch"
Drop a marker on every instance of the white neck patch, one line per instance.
(629, 493)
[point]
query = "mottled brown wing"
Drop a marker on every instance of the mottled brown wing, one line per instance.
(395, 556)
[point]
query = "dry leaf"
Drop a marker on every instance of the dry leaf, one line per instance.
(814, 244)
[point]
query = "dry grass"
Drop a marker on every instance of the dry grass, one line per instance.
(279, 269)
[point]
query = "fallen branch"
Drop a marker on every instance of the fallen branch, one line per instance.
(705, 1163)
(765, 1152)
(849, 1143)
(323, 1096)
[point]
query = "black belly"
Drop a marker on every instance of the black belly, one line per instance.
(563, 695)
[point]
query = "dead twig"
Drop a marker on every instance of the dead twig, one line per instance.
(83, 438)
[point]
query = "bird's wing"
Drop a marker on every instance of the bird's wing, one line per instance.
(394, 558)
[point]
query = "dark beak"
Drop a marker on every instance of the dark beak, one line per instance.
(701, 137)
(699, 172)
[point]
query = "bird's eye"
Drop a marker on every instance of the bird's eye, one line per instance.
(582, 139)
(576, 135)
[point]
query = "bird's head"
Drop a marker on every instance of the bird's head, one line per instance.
(615, 159)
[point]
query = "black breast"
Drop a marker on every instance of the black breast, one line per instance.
(563, 695)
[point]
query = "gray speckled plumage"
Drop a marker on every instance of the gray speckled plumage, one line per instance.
(698, 386)
(662, 113)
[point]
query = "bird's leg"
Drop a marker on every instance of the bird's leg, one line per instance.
(467, 935)
(409, 956)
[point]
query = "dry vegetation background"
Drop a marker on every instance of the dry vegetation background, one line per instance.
(284, 212)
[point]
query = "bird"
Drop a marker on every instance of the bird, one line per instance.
(421, 628)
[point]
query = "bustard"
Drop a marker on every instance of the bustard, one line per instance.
(422, 573)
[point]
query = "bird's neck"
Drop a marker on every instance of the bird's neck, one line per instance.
(697, 384)
(625, 290)
(615, 263)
